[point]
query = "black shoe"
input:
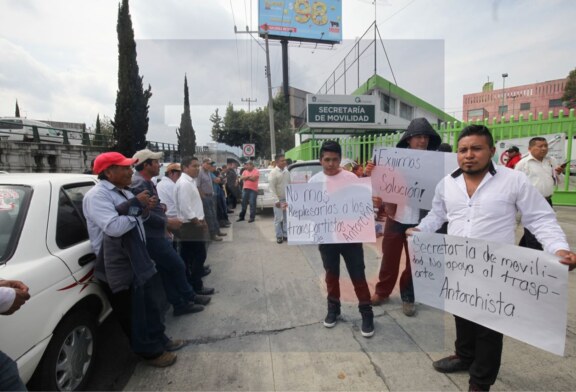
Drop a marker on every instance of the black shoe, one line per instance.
(367, 329)
(285, 239)
(188, 308)
(222, 234)
(331, 318)
(451, 364)
(239, 219)
(230, 211)
(224, 225)
(202, 299)
(251, 220)
(206, 272)
(205, 291)
(279, 240)
(478, 387)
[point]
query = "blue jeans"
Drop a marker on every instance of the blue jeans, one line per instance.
(9, 377)
(141, 317)
(248, 196)
(280, 221)
(172, 271)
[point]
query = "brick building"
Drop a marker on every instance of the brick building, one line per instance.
(514, 101)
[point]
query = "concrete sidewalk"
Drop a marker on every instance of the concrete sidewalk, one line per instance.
(263, 330)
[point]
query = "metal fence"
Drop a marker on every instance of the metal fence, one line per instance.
(503, 128)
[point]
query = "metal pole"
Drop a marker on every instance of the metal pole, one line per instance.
(504, 76)
(270, 103)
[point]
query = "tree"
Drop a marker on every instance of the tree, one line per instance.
(217, 129)
(240, 127)
(131, 117)
(569, 96)
(98, 140)
(17, 111)
(186, 134)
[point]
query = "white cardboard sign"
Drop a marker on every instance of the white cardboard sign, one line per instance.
(409, 177)
(517, 291)
(320, 213)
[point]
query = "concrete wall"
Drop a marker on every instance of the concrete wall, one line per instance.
(26, 157)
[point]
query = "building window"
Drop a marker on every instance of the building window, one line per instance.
(476, 113)
(387, 104)
(502, 109)
(555, 103)
(406, 111)
(525, 106)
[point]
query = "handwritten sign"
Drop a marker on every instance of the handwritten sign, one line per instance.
(408, 177)
(320, 213)
(519, 292)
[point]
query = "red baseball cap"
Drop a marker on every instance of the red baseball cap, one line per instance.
(107, 159)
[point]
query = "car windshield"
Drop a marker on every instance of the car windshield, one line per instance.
(14, 201)
(301, 174)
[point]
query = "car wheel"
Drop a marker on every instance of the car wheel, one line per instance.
(68, 360)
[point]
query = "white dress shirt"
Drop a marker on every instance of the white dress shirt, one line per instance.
(490, 213)
(165, 190)
(540, 173)
(7, 297)
(187, 199)
(278, 180)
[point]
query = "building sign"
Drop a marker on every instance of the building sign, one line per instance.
(330, 110)
(301, 20)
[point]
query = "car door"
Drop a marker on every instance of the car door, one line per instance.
(67, 236)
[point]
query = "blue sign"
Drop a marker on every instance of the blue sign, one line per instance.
(301, 20)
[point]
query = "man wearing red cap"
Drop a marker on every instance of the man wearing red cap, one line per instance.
(114, 219)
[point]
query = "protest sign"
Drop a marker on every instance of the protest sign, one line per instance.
(408, 177)
(517, 291)
(325, 213)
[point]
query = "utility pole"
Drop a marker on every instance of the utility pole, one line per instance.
(269, 77)
(249, 100)
(270, 102)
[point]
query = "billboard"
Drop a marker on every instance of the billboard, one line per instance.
(340, 110)
(301, 20)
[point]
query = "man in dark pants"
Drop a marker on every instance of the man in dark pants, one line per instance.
(194, 231)
(478, 348)
(170, 266)
(205, 186)
(353, 253)
(419, 136)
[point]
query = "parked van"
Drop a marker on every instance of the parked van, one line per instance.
(21, 129)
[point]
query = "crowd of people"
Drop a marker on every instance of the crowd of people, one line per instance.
(151, 239)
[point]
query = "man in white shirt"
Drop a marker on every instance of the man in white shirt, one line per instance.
(542, 172)
(479, 201)
(353, 253)
(13, 294)
(194, 231)
(278, 179)
(418, 136)
(166, 187)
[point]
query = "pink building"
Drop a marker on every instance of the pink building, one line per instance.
(514, 101)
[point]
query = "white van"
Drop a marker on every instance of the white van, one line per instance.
(20, 129)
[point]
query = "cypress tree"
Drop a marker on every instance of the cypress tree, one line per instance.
(131, 117)
(17, 111)
(98, 141)
(186, 134)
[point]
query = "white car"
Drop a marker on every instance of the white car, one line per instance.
(44, 243)
(264, 198)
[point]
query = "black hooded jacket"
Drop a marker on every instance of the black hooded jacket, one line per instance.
(420, 126)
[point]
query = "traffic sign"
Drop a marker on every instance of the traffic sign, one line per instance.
(248, 150)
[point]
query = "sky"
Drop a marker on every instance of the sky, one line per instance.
(59, 58)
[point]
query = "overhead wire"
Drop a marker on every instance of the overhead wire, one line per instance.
(237, 49)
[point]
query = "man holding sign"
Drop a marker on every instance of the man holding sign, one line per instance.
(353, 253)
(419, 136)
(481, 202)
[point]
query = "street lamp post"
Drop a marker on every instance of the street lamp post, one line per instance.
(504, 76)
